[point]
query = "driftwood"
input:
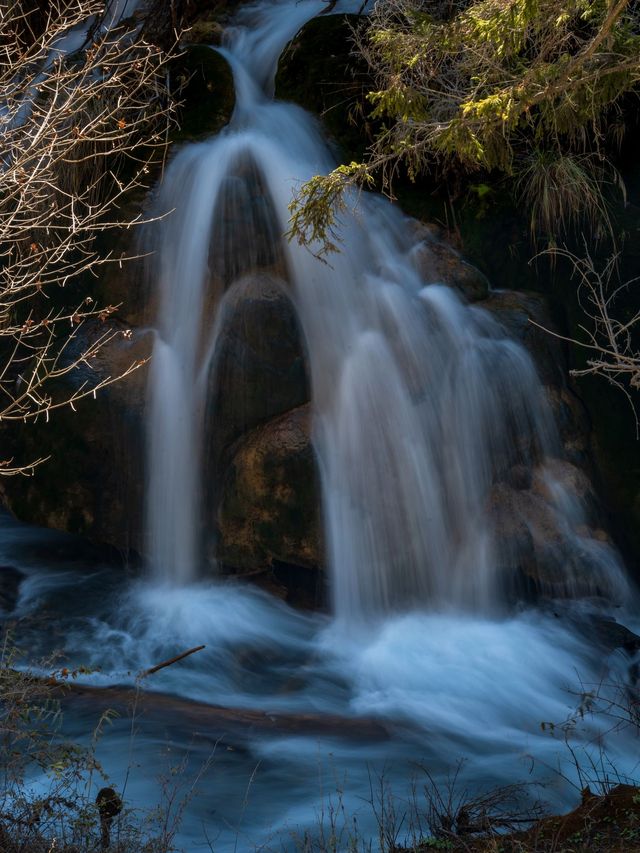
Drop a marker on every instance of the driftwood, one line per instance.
(171, 661)
(215, 720)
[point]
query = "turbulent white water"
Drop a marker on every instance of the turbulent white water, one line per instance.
(446, 689)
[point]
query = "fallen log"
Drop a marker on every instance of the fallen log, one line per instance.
(216, 720)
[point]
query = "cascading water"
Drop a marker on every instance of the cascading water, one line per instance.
(421, 403)
(428, 420)
(203, 182)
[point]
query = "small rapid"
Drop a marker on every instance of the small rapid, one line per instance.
(447, 690)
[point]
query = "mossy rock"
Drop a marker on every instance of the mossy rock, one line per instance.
(208, 95)
(207, 28)
(320, 72)
(270, 506)
(207, 20)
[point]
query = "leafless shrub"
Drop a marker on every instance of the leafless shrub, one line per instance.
(610, 334)
(61, 812)
(454, 812)
(84, 117)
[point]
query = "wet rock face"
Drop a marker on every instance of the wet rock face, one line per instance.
(264, 491)
(259, 367)
(438, 262)
(320, 71)
(246, 235)
(524, 317)
(534, 549)
(207, 101)
(207, 93)
(269, 508)
(535, 552)
(264, 494)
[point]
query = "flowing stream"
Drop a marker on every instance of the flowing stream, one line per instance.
(421, 403)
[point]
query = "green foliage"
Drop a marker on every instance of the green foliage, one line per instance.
(508, 69)
(524, 89)
(316, 207)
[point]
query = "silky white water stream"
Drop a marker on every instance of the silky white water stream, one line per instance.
(420, 404)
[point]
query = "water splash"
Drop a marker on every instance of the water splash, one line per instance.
(444, 687)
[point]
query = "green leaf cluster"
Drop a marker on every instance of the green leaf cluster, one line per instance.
(530, 91)
(519, 71)
(316, 207)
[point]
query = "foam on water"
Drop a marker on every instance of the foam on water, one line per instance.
(446, 688)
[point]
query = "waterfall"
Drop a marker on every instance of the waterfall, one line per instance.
(422, 404)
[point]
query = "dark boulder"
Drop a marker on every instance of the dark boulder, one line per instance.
(320, 71)
(259, 366)
(525, 318)
(270, 505)
(438, 262)
(207, 92)
(539, 554)
(246, 238)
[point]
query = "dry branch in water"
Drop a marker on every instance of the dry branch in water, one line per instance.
(84, 116)
(171, 661)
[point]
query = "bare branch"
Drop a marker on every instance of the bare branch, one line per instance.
(84, 118)
(612, 343)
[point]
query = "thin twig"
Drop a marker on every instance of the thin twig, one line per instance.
(170, 661)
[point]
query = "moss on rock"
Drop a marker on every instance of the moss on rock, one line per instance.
(269, 509)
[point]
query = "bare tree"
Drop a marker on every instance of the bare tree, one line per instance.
(85, 113)
(610, 335)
